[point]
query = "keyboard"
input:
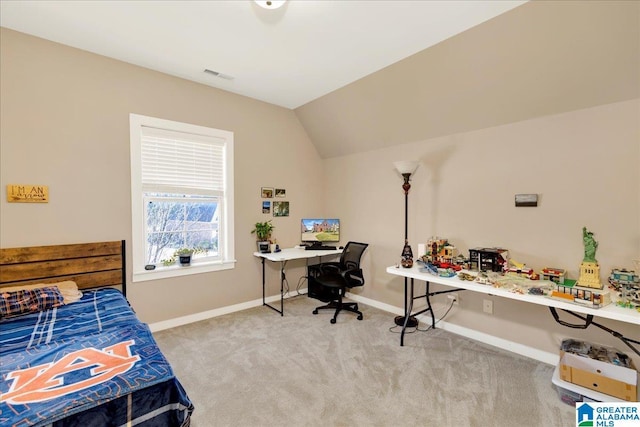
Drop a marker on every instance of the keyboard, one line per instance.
(319, 248)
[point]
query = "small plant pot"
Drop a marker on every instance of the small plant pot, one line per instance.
(264, 247)
(185, 259)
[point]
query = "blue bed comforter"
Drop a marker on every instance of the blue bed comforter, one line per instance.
(89, 363)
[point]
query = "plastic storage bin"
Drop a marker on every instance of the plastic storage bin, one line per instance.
(573, 393)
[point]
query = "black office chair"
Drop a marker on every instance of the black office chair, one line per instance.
(336, 277)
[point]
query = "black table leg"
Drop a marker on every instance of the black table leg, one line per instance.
(282, 279)
(407, 310)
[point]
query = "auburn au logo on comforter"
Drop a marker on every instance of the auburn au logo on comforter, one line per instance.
(57, 379)
(70, 375)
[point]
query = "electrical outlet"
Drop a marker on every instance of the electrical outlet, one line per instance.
(454, 298)
(487, 306)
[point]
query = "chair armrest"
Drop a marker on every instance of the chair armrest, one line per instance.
(353, 277)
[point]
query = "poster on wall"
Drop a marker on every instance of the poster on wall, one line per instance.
(267, 192)
(266, 207)
(280, 208)
(281, 192)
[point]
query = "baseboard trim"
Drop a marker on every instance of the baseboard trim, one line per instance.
(209, 314)
(523, 350)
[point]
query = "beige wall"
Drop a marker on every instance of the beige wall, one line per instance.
(64, 122)
(582, 164)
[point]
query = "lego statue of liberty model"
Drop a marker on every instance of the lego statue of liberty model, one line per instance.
(590, 246)
(589, 269)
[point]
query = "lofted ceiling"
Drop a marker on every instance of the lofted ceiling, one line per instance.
(366, 74)
(288, 57)
(540, 59)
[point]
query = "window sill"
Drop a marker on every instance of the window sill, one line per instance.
(178, 270)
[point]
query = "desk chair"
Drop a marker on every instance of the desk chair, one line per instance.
(336, 277)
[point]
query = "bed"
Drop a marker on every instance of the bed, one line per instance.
(72, 350)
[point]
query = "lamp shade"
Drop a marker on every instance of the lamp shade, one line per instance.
(406, 166)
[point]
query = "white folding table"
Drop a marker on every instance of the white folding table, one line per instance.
(282, 257)
(611, 311)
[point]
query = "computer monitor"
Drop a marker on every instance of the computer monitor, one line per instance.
(320, 230)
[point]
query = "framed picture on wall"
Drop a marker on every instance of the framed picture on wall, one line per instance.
(281, 192)
(267, 192)
(280, 208)
(266, 207)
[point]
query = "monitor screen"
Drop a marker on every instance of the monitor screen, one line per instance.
(320, 230)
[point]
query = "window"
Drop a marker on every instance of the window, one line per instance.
(181, 197)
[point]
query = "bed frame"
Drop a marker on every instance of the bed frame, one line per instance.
(90, 265)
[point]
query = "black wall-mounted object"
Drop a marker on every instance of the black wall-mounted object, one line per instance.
(530, 200)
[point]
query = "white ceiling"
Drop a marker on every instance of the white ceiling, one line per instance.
(288, 57)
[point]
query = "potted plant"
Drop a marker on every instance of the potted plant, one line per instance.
(184, 254)
(263, 233)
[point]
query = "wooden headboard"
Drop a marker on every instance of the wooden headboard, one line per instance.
(90, 265)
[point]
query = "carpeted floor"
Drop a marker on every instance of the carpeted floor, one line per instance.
(255, 368)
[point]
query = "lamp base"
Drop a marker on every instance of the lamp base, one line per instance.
(411, 323)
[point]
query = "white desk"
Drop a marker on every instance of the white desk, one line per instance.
(610, 311)
(282, 257)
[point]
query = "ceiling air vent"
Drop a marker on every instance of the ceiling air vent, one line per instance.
(219, 74)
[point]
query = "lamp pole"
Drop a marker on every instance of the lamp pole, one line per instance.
(406, 168)
(406, 187)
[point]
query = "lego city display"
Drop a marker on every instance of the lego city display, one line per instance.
(515, 268)
(427, 267)
(556, 275)
(494, 267)
(590, 297)
(627, 284)
(439, 251)
(523, 285)
(488, 259)
(439, 257)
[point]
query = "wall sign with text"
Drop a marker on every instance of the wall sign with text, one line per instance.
(18, 193)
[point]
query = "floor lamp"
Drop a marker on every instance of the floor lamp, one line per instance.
(406, 168)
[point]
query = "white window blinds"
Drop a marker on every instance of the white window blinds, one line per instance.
(173, 162)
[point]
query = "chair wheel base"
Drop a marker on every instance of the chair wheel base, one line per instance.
(338, 307)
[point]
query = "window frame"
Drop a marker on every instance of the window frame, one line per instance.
(138, 220)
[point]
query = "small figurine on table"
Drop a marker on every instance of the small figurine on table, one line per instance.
(406, 259)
